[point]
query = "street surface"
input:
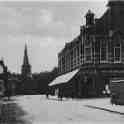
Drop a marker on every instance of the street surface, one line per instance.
(39, 110)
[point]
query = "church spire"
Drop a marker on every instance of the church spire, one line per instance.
(25, 60)
(26, 68)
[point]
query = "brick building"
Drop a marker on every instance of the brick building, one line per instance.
(97, 53)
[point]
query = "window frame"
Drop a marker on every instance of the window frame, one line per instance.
(106, 47)
(88, 61)
(120, 58)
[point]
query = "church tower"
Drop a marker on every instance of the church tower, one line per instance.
(26, 67)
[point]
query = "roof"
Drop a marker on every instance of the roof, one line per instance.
(69, 45)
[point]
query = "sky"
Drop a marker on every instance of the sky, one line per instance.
(44, 26)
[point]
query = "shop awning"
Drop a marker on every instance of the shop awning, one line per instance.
(64, 78)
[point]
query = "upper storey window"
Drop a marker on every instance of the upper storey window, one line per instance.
(88, 54)
(103, 52)
(117, 53)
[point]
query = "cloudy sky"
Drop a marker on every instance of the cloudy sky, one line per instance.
(44, 26)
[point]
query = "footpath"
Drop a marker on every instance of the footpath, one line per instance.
(105, 105)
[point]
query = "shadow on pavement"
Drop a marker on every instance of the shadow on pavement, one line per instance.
(11, 113)
(104, 109)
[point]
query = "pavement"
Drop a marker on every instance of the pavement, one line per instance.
(105, 105)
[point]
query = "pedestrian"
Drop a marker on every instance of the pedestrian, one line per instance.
(114, 98)
(61, 97)
(47, 93)
(61, 94)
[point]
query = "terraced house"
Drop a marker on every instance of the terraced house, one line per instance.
(88, 63)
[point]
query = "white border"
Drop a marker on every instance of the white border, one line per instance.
(106, 1)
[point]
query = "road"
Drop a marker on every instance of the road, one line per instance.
(39, 110)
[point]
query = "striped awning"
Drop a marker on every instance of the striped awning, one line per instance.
(64, 78)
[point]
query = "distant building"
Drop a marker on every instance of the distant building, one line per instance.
(97, 53)
(26, 67)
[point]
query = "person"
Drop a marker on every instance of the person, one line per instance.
(72, 94)
(114, 98)
(47, 93)
(60, 94)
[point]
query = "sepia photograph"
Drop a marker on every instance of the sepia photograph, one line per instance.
(62, 62)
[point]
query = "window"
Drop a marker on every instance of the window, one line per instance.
(81, 49)
(71, 57)
(74, 57)
(88, 54)
(103, 52)
(78, 55)
(117, 53)
(81, 53)
(63, 64)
